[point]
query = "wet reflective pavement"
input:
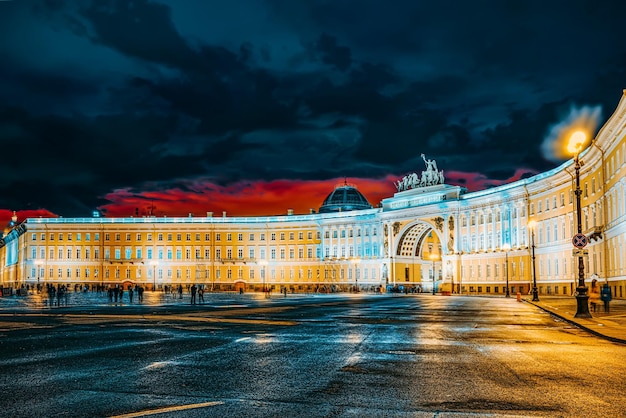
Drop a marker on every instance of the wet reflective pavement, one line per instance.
(610, 325)
(342, 355)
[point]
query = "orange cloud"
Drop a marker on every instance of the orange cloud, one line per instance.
(240, 199)
(253, 198)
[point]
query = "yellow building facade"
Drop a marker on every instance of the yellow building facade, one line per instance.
(427, 236)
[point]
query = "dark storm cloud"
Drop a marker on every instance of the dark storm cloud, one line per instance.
(140, 29)
(148, 95)
(333, 54)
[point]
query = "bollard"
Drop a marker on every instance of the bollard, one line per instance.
(519, 297)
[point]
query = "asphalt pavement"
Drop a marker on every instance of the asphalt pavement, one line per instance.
(609, 325)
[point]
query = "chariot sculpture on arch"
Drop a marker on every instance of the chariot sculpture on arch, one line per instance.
(430, 177)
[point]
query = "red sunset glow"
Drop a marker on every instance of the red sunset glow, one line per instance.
(252, 198)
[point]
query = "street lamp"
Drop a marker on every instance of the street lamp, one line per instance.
(506, 248)
(531, 226)
(154, 263)
(433, 257)
(575, 146)
(356, 262)
(263, 263)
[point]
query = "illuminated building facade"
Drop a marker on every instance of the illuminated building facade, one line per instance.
(428, 234)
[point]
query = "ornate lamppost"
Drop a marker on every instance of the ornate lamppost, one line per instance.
(506, 248)
(575, 146)
(531, 226)
(263, 263)
(154, 264)
(355, 262)
(433, 257)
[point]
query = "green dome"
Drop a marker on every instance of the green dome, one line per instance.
(344, 198)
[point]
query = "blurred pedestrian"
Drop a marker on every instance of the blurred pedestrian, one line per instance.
(594, 295)
(130, 294)
(193, 294)
(201, 295)
(605, 295)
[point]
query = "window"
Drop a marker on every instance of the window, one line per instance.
(169, 237)
(282, 236)
(291, 236)
(218, 237)
(229, 237)
(188, 237)
(127, 237)
(239, 237)
(179, 237)
(159, 237)
(273, 237)
(251, 237)
(262, 237)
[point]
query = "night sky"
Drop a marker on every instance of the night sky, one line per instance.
(257, 106)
